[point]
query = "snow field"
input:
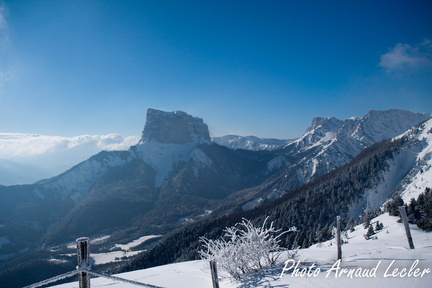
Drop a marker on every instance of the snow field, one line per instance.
(113, 256)
(134, 243)
(385, 254)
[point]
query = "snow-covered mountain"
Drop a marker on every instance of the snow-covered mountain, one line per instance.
(398, 166)
(174, 173)
(419, 155)
(408, 172)
(329, 143)
(171, 138)
(250, 142)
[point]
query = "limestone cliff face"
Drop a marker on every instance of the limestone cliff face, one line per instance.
(173, 128)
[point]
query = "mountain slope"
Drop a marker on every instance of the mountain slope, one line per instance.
(363, 185)
(174, 172)
(176, 175)
(327, 144)
(331, 143)
(359, 187)
(390, 244)
(420, 175)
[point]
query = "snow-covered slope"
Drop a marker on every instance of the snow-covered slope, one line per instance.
(175, 172)
(250, 142)
(77, 181)
(163, 157)
(385, 261)
(168, 138)
(408, 174)
(377, 258)
(420, 175)
(330, 143)
(174, 159)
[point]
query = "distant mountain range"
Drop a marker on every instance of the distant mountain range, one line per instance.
(176, 173)
(399, 166)
(19, 173)
(250, 142)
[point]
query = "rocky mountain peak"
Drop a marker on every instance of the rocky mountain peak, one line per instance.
(326, 124)
(173, 128)
(379, 125)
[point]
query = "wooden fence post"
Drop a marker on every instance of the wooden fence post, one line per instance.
(338, 239)
(214, 274)
(83, 262)
(407, 229)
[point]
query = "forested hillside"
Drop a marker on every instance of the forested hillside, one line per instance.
(312, 208)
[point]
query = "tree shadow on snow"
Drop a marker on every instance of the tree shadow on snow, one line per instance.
(264, 278)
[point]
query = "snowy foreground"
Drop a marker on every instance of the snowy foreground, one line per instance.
(384, 262)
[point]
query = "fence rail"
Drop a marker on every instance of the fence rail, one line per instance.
(83, 270)
(53, 279)
(114, 278)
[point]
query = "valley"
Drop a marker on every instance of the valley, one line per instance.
(176, 182)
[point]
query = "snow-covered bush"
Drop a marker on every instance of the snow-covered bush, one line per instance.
(244, 248)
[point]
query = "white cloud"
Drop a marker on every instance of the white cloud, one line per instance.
(58, 152)
(14, 145)
(405, 57)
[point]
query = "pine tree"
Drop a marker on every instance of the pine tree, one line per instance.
(379, 226)
(425, 207)
(370, 232)
(366, 223)
(393, 206)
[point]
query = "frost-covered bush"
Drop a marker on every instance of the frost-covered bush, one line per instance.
(244, 248)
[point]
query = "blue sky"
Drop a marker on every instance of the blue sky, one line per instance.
(262, 68)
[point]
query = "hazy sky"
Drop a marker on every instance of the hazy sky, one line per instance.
(262, 68)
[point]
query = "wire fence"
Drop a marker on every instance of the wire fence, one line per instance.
(83, 270)
(114, 278)
(53, 279)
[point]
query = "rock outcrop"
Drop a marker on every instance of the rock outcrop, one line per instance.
(173, 128)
